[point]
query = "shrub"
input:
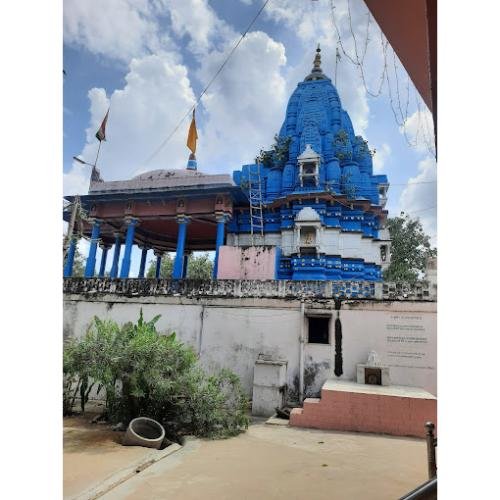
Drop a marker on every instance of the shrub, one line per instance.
(144, 373)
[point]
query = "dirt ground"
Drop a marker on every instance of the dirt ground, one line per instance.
(92, 453)
(276, 462)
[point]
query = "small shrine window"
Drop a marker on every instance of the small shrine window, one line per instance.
(383, 253)
(318, 329)
(309, 174)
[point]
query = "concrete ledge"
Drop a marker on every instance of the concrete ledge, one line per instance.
(348, 406)
(121, 476)
(389, 390)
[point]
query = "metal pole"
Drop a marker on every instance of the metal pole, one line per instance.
(71, 225)
(97, 156)
(301, 352)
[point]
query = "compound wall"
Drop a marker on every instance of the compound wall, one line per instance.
(232, 332)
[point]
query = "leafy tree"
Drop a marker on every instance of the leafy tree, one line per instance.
(278, 154)
(78, 265)
(199, 267)
(166, 267)
(410, 249)
(144, 373)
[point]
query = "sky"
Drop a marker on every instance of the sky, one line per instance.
(148, 61)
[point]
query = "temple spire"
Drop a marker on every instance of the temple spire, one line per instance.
(317, 59)
(317, 72)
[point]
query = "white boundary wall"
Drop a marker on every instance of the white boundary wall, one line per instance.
(232, 332)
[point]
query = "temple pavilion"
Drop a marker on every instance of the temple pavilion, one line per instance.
(313, 198)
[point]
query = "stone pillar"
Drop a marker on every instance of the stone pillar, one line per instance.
(142, 267)
(158, 255)
(129, 241)
(116, 255)
(70, 258)
(219, 241)
(94, 240)
(181, 243)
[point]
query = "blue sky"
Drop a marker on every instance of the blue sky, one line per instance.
(149, 60)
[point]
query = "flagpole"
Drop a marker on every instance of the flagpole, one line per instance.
(97, 156)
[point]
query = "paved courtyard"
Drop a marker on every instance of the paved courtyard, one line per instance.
(276, 462)
(92, 453)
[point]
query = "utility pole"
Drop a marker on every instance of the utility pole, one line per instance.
(71, 225)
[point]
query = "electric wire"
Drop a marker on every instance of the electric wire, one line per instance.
(358, 61)
(221, 67)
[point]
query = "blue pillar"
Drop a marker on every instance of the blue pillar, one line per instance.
(142, 267)
(185, 266)
(94, 240)
(221, 223)
(129, 241)
(70, 259)
(116, 256)
(158, 265)
(179, 253)
(104, 256)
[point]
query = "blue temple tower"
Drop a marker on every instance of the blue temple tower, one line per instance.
(322, 207)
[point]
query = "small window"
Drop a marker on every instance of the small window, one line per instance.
(319, 330)
(383, 253)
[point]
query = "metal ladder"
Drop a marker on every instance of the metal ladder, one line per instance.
(255, 198)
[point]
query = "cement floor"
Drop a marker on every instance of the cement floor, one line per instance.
(92, 453)
(276, 462)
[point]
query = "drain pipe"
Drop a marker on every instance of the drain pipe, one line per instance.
(301, 352)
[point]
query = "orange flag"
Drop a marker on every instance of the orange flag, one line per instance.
(101, 133)
(192, 136)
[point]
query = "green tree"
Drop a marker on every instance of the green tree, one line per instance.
(78, 265)
(166, 267)
(199, 267)
(141, 372)
(410, 249)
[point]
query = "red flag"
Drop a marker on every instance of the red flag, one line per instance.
(101, 133)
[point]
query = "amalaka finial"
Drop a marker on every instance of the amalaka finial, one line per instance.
(317, 72)
(317, 59)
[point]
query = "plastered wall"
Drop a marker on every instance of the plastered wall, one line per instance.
(232, 332)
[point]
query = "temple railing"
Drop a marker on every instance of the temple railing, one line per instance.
(136, 287)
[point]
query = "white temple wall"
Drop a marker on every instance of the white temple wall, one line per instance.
(245, 240)
(287, 243)
(232, 332)
(332, 242)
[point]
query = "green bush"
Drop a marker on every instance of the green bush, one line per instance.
(143, 373)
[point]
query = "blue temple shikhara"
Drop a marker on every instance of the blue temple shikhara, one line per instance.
(322, 206)
(312, 200)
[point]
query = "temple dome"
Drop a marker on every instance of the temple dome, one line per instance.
(166, 174)
(164, 179)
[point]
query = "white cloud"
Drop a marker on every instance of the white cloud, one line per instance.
(380, 157)
(156, 95)
(119, 29)
(198, 21)
(245, 106)
(419, 198)
(237, 120)
(419, 131)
